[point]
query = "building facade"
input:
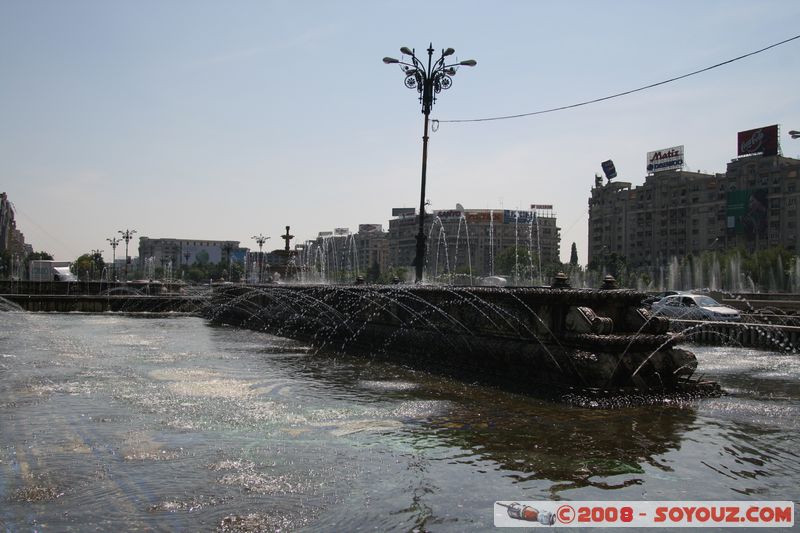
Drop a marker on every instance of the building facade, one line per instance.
(186, 252)
(372, 244)
(13, 249)
(463, 241)
(11, 239)
(753, 205)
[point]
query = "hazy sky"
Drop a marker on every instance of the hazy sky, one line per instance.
(222, 120)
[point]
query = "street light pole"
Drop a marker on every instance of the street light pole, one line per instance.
(127, 235)
(114, 243)
(260, 240)
(428, 81)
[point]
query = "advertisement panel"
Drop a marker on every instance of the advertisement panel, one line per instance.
(666, 159)
(402, 211)
(238, 255)
(758, 141)
(477, 217)
(520, 217)
(746, 212)
(370, 228)
(542, 207)
(483, 217)
(448, 214)
(609, 169)
(341, 231)
(203, 255)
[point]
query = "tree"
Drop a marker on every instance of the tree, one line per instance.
(517, 262)
(39, 256)
(573, 255)
(88, 266)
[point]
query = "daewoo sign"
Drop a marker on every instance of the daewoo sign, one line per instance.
(666, 159)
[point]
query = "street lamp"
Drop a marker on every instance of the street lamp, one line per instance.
(794, 134)
(114, 243)
(260, 240)
(428, 81)
(127, 235)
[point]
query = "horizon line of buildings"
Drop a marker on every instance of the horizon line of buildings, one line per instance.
(464, 240)
(673, 213)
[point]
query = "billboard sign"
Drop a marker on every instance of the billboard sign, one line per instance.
(746, 212)
(370, 228)
(666, 159)
(402, 211)
(542, 207)
(339, 232)
(518, 217)
(448, 214)
(758, 141)
(609, 169)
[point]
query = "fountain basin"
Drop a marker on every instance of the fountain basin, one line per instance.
(524, 339)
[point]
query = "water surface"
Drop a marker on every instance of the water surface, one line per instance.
(111, 422)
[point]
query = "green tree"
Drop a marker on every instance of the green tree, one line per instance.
(573, 255)
(39, 256)
(88, 267)
(513, 261)
(82, 266)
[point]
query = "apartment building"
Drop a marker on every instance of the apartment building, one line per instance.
(754, 204)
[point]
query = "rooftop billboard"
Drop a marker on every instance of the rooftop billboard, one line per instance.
(758, 141)
(370, 228)
(402, 211)
(666, 159)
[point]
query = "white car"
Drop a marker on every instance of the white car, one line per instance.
(694, 307)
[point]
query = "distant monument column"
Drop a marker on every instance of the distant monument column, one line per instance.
(287, 238)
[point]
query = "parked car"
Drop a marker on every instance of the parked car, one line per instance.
(694, 307)
(650, 300)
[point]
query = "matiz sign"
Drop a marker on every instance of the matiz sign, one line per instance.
(666, 159)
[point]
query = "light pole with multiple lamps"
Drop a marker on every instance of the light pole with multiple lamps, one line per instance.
(260, 240)
(794, 134)
(428, 81)
(114, 243)
(127, 235)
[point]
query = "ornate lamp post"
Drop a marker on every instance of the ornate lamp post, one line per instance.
(127, 235)
(428, 81)
(114, 243)
(260, 240)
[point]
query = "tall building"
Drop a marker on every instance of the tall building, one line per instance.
(754, 205)
(463, 240)
(7, 223)
(372, 244)
(11, 239)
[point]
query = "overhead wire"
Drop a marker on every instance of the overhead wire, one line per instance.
(617, 95)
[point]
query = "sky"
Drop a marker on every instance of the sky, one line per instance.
(224, 120)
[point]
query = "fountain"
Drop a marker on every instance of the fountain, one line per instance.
(525, 339)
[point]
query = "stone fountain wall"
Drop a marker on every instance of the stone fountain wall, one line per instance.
(529, 336)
